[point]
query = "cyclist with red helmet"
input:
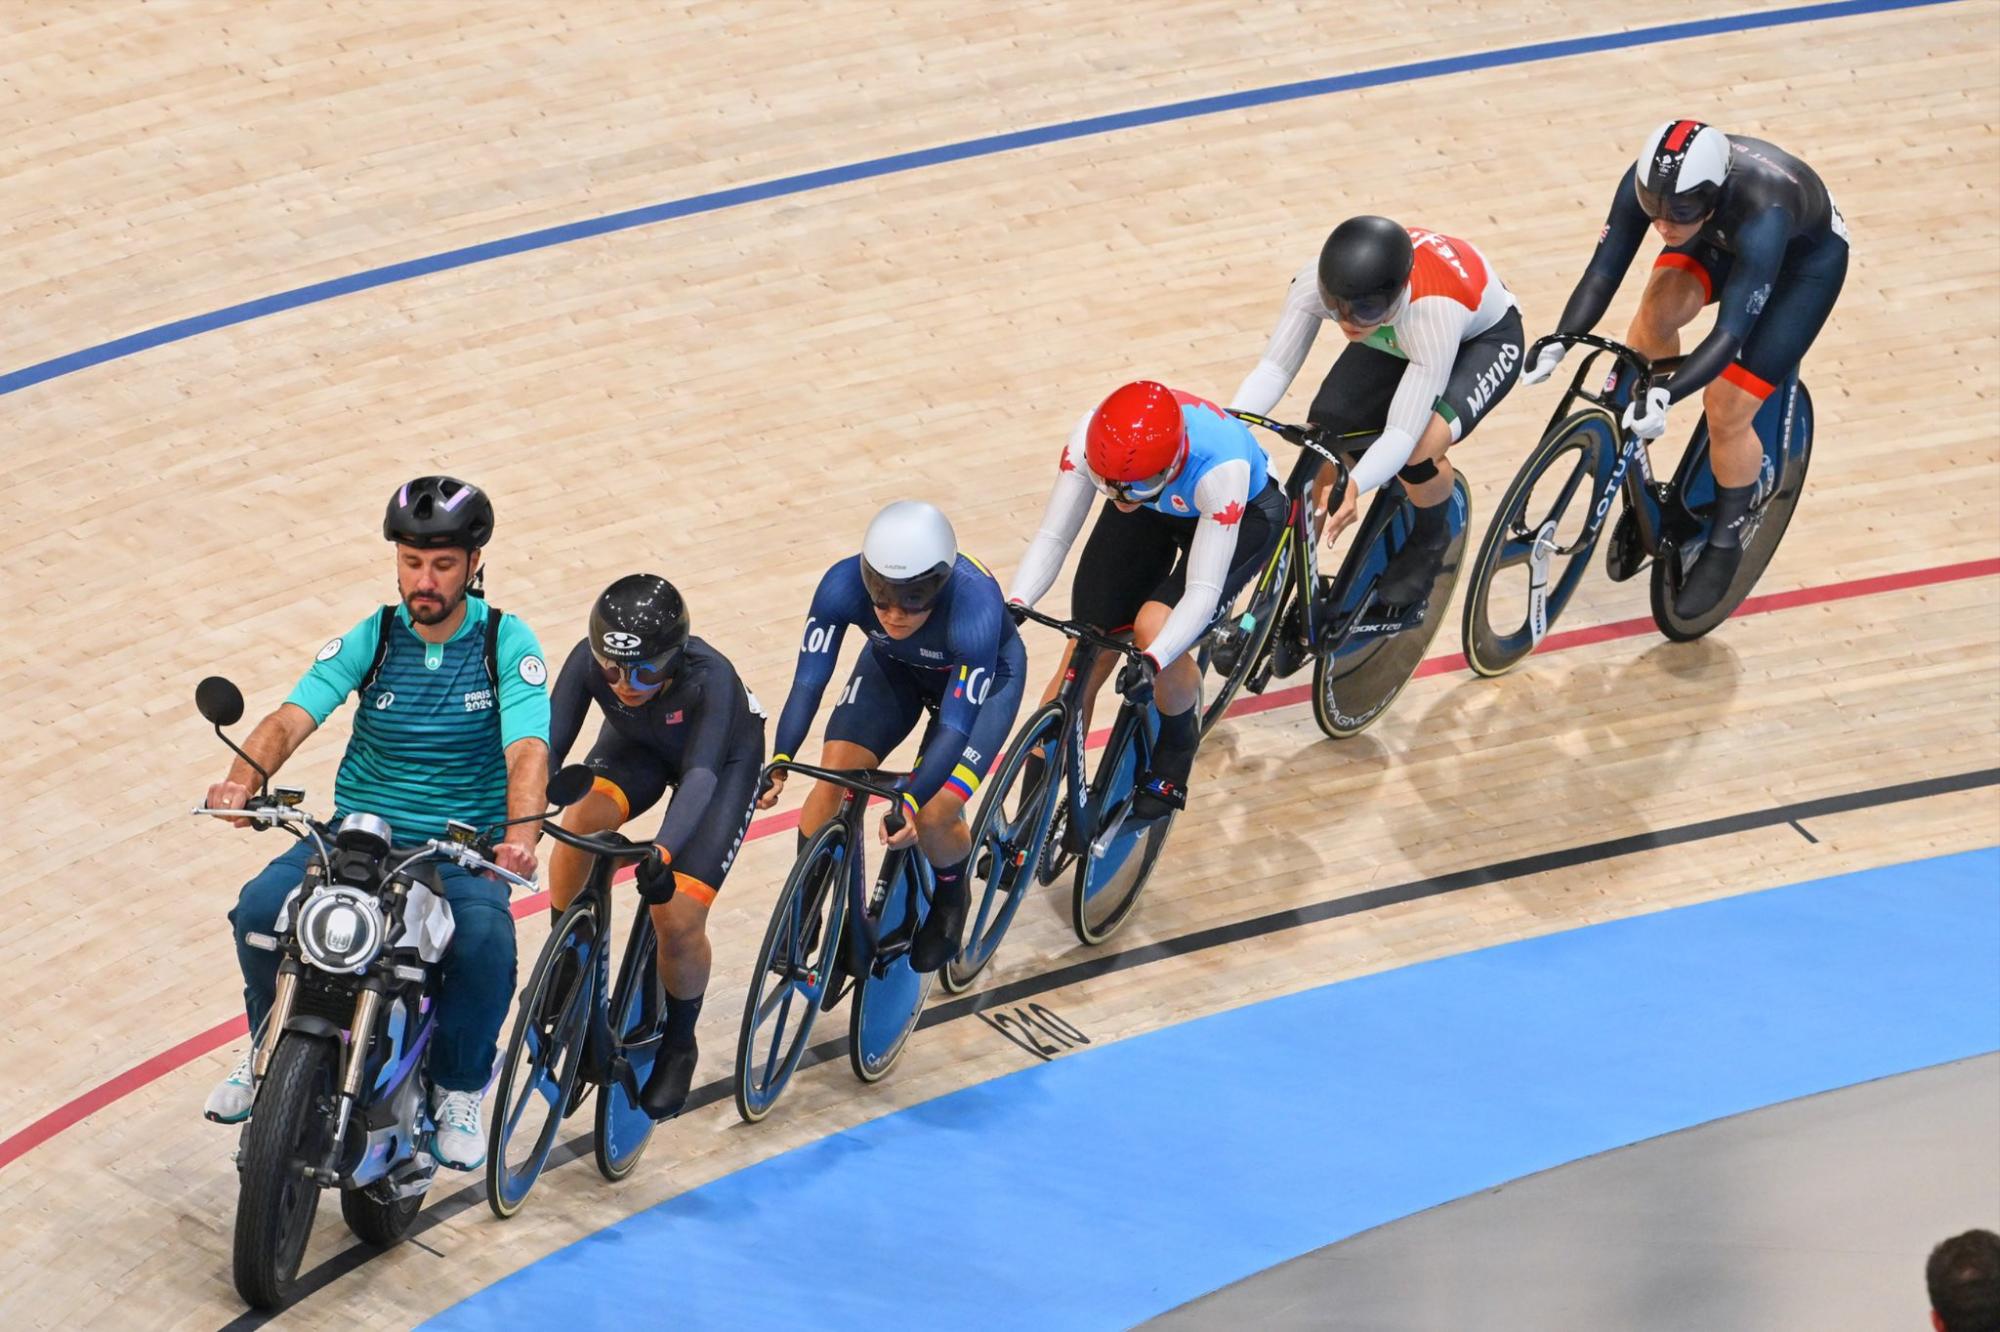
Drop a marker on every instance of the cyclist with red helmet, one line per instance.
(1434, 343)
(1192, 517)
(1751, 230)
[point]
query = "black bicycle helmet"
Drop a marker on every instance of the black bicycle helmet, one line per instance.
(638, 629)
(435, 511)
(1363, 268)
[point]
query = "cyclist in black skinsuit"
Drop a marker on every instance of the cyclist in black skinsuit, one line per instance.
(675, 714)
(1752, 229)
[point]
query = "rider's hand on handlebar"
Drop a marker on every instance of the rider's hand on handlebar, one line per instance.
(1650, 420)
(515, 858)
(1136, 676)
(773, 785)
(654, 876)
(230, 795)
(1545, 364)
(1017, 612)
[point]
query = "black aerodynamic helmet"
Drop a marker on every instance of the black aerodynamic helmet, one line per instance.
(638, 629)
(435, 511)
(1363, 268)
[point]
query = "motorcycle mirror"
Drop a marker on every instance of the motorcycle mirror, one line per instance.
(219, 701)
(571, 784)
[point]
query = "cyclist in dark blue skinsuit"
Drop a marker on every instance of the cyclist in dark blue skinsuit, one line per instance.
(1751, 229)
(939, 641)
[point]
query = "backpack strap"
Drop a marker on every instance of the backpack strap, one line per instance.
(383, 624)
(493, 650)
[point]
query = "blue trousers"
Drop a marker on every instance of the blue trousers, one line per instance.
(475, 982)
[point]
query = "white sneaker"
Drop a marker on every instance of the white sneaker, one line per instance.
(460, 1138)
(230, 1102)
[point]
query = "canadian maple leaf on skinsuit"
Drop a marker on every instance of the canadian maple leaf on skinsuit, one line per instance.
(1230, 516)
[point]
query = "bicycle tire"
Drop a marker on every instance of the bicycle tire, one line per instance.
(638, 1014)
(545, 1043)
(827, 907)
(1011, 864)
(1095, 917)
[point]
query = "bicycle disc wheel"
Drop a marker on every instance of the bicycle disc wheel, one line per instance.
(544, 1054)
(795, 967)
(1356, 678)
(1112, 871)
(1006, 842)
(889, 999)
(1241, 633)
(1759, 545)
(638, 1010)
(1534, 554)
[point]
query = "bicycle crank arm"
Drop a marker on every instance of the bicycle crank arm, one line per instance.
(1540, 556)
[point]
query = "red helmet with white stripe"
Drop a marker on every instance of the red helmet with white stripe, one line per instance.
(1679, 176)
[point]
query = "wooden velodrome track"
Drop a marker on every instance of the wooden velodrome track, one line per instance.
(727, 395)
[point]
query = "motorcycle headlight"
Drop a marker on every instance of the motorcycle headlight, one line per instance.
(340, 930)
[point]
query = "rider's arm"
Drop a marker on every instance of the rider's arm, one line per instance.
(569, 702)
(978, 624)
(1760, 252)
(524, 727)
(1430, 336)
(832, 611)
(1298, 324)
(715, 716)
(1222, 495)
(274, 740)
(1624, 228)
(1069, 505)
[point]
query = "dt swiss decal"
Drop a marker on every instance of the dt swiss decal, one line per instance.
(1230, 516)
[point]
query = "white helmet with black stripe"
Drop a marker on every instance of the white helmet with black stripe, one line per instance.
(1679, 175)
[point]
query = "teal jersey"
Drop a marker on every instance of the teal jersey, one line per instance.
(430, 738)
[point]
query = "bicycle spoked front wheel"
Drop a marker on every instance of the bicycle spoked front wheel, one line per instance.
(638, 1016)
(1007, 839)
(1759, 545)
(544, 1054)
(794, 973)
(1242, 633)
(888, 998)
(1537, 548)
(1119, 858)
(1358, 675)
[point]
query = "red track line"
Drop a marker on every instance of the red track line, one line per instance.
(193, 1048)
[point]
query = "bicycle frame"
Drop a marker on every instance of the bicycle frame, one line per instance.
(607, 850)
(1071, 698)
(866, 941)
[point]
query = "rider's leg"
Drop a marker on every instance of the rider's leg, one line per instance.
(475, 985)
(680, 930)
(1483, 374)
(602, 810)
(1176, 690)
(823, 801)
(1350, 407)
(1793, 315)
(1674, 295)
(256, 912)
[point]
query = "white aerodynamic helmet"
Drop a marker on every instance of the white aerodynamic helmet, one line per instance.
(1679, 175)
(908, 555)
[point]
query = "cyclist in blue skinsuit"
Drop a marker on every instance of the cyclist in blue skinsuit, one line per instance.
(452, 723)
(939, 641)
(1752, 230)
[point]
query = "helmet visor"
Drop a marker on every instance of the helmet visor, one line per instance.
(1366, 310)
(641, 676)
(910, 594)
(1691, 206)
(1139, 491)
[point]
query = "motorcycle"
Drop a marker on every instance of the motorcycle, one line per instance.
(340, 1095)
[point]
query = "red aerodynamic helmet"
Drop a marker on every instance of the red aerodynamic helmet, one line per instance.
(1137, 440)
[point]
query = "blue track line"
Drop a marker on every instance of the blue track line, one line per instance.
(990, 145)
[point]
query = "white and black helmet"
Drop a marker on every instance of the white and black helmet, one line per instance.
(908, 555)
(1679, 176)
